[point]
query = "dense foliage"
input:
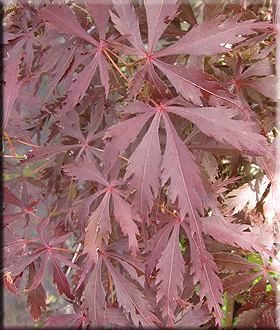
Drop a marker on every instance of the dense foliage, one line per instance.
(140, 161)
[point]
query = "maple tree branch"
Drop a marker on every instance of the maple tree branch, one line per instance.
(229, 313)
(74, 258)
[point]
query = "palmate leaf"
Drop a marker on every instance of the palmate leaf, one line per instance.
(94, 298)
(132, 300)
(20, 263)
(236, 284)
(156, 245)
(36, 298)
(144, 165)
(62, 19)
(86, 170)
(205, 270)
(179, 166)
(218, 122)
(68, 23)
(195, 317)
(11, 89)
(207, 37)
(208, 34)
(194, 84)
(159, 14)
(170, 278)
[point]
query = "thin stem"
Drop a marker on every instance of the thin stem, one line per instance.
(117, 68)
(10, 143)
(140, 66)
(28, 144)
(62, 249)
(37, 169)
(118, 57)
(34, 215)
(36, 239)
(150, 99)
(126, 159)
(115, 75)
(46, 132)
(165, 209)
(111, 288)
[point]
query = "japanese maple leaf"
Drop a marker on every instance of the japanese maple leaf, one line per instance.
(11, 89)
(128, 295)
(131, 299)
(46, 251)
(178, 162)
(26, 41)
(70, 129)
(63, 320)
(99, 225)
(259, 77)
(62, 19)
(204, 270)
(36, 297)
(171, 268)
(11, 198)
(205, 39)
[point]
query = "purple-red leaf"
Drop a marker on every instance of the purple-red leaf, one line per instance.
(94, 299)
(62, 19)
(85, 169)
(218, 123)
(60, 278)
(127, 23)
(210, 37)
(11, 89)
(178, 165)
(170, 278)
(123, 215)
(36, 297)
(98, 229)
(159, 15)
(144, 165)
(132, 300)
(195, 317)
(205, 270)
(235, 284)
(99, 11)
(156, 245)
(123, 134)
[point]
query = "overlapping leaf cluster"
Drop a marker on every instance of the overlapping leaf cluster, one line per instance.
(153, 170)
